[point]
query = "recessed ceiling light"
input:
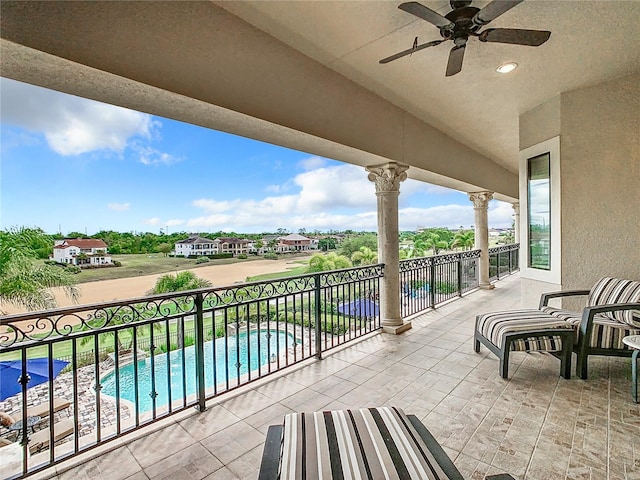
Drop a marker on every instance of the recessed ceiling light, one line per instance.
(507, 67)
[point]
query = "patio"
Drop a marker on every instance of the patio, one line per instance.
(534, 426)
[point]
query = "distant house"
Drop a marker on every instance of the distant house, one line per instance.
(196, 245)
(235, 246)
(296, 243)
(81, 251)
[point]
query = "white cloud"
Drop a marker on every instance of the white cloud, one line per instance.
(273, 188)
(71, 125)
(312, 163)
(118, 207)
(74, 125)
(500, 214)
(175, 222)
(151, 156)
(344, 186)
(338, 197)
(152, 221)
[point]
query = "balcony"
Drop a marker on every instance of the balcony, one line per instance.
(535, 426)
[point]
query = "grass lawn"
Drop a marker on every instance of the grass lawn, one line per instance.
(64, 348)
(148, 264)
(291, 272)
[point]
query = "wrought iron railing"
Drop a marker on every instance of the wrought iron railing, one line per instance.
(136, 361)
(503, 261)
(429, 281)
(133, 362)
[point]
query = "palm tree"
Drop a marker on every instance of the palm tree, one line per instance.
(364, 256)
(433, 241)
(332, 261)
(25, 282)
(179, 282)
(464, 240)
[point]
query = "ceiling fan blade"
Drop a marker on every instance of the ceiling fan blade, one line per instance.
(409, 51)
(533, 38)
(420, 11)
(456, 55)
(493, 11)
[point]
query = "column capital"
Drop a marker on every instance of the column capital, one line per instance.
(481, 199)
(516, 207)
(388, 176)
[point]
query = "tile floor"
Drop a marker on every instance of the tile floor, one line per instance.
(535, 425)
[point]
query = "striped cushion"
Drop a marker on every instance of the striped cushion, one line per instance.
(614, 290)
(572, 318)
(606, 333)
(567, 315)
(537, 344)
(496, 325)
(370, 443)
(609, 333)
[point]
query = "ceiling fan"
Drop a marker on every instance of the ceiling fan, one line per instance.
(465, 21)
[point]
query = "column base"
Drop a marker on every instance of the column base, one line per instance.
(396, 329)
(487, 286)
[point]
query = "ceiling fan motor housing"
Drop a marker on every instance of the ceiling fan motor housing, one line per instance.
(459, 3)
(462, 18)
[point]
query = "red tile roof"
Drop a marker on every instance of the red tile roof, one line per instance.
(82, 243)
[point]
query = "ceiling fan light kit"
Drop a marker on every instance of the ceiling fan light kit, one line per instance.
(465, 21)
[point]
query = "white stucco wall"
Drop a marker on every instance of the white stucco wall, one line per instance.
(600, 164)
(599, 130)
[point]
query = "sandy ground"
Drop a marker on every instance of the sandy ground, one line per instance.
(219, 275)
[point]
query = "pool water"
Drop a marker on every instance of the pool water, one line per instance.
(219, 360)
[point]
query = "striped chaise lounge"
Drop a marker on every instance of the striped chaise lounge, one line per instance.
(612, 313)
(367, 443)
(528, 330)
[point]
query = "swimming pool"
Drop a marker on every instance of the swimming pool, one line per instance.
(218, 359)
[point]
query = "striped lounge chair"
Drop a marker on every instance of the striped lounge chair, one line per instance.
(612, 313)
(368, 443)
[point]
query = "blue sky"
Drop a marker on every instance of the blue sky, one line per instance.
(72, 164)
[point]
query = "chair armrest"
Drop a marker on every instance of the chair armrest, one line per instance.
(270, 464)
(545, 297)
(610, 307)
(436, 449)
(590, 312)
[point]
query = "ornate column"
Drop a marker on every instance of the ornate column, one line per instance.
(516, 222)
(480, 207)
(387, 179)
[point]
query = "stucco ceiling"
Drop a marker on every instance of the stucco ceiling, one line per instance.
(591, 41)
(306, 74)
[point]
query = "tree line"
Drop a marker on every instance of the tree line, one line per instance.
(121, 243)
(25, 282)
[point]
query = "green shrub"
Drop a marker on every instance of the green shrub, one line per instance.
(220, 255)
(270, 256)
(73, 269)
(242, 256)
(116, 263)
(446, 287)
(202, 260)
